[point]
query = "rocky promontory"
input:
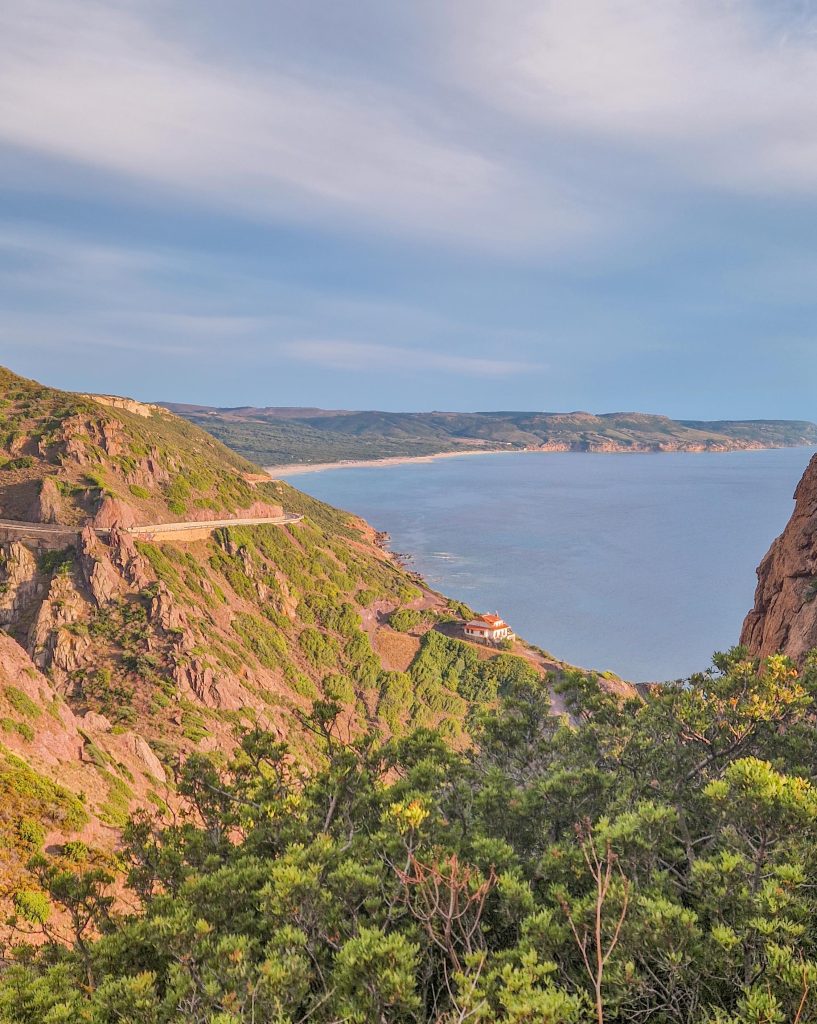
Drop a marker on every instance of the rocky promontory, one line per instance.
(784, 617)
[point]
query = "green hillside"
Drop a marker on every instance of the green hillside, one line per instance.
(123, 654)
(273, 436)
(255, 776)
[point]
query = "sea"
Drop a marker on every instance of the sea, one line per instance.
(642, 564)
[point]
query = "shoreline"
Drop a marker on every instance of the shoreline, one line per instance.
(298, 468)
(301, 468)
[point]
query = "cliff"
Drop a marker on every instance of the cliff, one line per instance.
(784, 617)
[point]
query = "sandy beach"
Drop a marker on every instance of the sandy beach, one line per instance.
(297, 468)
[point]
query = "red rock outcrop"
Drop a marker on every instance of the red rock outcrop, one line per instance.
(114, 512)
(125, 556)
(99, 574)
(56, 741)
(47, 506)
(19, 583)
(50, 642)
(784, 617)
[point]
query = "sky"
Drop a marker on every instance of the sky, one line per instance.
(443, 204)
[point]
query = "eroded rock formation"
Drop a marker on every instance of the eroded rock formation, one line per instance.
(784, 617)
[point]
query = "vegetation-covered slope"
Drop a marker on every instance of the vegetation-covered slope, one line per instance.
(275, 436)
(246, 779)
(161, 649)
(657, 863)
(62, 454)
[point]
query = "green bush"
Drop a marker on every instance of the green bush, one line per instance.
(49, 562)
(339, 688)
(21, 702)
(406, 619)
(38, 797)
(264, 640)
(33, 907)
(30, 833)
(321, 650)
(21, 462)
(639, 866)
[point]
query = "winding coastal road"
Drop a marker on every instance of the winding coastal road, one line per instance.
(11, 529)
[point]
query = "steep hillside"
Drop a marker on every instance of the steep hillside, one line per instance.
(64, 777)
(784, 617)
(282, 436)
(71, 458)
(124, 654)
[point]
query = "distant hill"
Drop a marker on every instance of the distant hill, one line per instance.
(286, 436)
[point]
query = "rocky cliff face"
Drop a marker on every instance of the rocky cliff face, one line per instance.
(784, 617)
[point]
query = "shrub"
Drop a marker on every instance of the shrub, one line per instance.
(396, 698)
(30, 833)
(25, 730)
(95, 479)
(49, 562)
(177, 494)
(115, 810)
(42, 798)
(22, 703)
(406, 619)
(32, 906)
(320, 650)
(265, 642)
(303, 685)
(22, 462)
(339, 688)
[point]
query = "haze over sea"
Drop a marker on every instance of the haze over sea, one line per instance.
(643, 564)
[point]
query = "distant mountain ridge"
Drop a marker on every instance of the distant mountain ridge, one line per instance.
(289, 435)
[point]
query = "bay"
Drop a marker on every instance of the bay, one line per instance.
(642, 564)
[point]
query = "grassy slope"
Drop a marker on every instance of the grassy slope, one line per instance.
(162, 466)
(188, 641)
(282, 436)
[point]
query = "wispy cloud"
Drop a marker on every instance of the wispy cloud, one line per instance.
(363, 356)
(724, 93)
(100, 85)
(489, 136)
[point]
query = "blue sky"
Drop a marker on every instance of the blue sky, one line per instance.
(459, 204)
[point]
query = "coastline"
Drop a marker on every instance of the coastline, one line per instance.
(299, 468)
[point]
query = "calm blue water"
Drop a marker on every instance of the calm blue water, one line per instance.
(643, 564)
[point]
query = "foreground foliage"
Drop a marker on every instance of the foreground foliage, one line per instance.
(653, 860)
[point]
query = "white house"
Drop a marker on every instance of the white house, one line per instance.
(488, 628)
